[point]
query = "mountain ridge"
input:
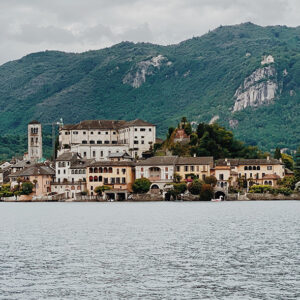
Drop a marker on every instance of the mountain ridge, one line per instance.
(198, 78)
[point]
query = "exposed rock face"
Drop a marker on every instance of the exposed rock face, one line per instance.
(233, 123)
(137, 76)
(258, 89)
(268, 60)
(214, 119)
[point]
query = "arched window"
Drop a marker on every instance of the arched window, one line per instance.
(92, 142)
(250, 167)
(95, 170)
(105, 170)
(99, 142)
(270, 182)
(91, 178)
(258, 168)
(254, 167)
(91, 170)
(84, 142)
(95, 178)
(100, 170)
(110, 170)
(100, 178)
(245, 168)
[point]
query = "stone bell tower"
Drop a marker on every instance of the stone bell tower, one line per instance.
(35, 142)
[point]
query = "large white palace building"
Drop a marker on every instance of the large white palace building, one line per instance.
(97, 139)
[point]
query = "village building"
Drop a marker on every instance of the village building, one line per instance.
(118, 175)
(70, 175)
(39, 174)
(255, 171)
(160, 170)
(97, 139)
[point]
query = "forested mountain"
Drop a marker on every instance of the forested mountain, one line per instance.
(245, 77)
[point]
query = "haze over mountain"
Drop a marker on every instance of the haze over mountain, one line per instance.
(245, 77)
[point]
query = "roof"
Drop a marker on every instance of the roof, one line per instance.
(34, 122)
(22, 164)
(158, 161)
(120, 155)
(204, 160)
(81, 164)
(243, 161)
(288, 171)
(271, 176)
(67, 156)
(34, 170)
(105, 124)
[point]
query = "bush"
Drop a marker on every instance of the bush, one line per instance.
(260, 189)
(180, 188)
(26, 188)
(100, 189)
(207, 192)
(141, 186)
(195, 187)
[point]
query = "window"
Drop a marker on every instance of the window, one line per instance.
(94, 153)
(64, 171)
(99, 142)
(118, 171)
(245, 168)
(186, 168)
(123, 171)
(101, 153)
(136, 142)
(92, 132)
(142, 129)
(150, 129)
(123, 180)
(166, 169)
(99, 132)
(118, 180)
(192, 168)
(221, 176)
(84, 142)
(142, 142)
(106, 132)
(84, 132)
(269, 168)
(92, 142)
(178, 168)
(258, 168)
(106, 142)
(58, 172)
(167, 176)
(142, 169)
(84, 154)
(135, 129)
(114, 132)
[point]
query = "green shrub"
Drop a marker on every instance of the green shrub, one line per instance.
(195, 187)
(141, 185)
(206, 193)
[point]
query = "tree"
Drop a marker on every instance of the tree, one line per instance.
(288, 161)
(170, 131)
(207, 192)
(141, 185)
(27, 188)
(180, 188)
(212, 180)
(195, 187)
(100, 189)
(277, 153)
(188, 128)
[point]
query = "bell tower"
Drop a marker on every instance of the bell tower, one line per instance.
(35, 142)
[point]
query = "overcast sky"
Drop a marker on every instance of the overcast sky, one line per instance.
(78, 25)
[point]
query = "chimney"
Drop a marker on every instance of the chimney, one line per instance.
(268, 157)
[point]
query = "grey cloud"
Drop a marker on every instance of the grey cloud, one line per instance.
(79, 25)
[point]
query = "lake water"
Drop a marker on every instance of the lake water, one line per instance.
(164, 250)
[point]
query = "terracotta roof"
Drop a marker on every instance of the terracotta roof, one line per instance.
(105, 124)
(34, 170)
(243, 161)
(271, 176)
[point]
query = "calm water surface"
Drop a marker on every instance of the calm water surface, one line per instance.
(245, 250)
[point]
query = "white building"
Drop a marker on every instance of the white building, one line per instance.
(35, 141)
(70, 174)
(97, 139)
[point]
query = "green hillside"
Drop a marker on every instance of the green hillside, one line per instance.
(197, 78)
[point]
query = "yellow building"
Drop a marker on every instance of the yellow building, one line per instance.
(118, 175)
(187, 167)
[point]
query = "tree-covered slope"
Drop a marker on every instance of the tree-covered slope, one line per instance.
(198, 78)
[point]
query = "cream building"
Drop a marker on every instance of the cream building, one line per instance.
(258, 171)
(97, 139)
